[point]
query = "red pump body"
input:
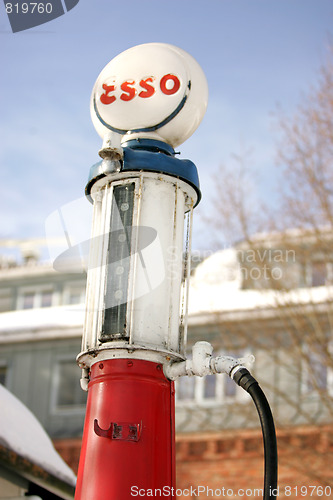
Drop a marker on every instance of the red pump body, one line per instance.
(129, 434)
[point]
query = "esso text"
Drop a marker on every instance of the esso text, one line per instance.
(169, 84)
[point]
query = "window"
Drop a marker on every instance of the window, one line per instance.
(35, 297)
(211, 389)
(3, 374)
(6, 302)
(74, 293)
(319, 273)
(67, 392)
(317, 373)
(230, 387)
(46, 298)
(74, 297)
(28, 300)
(185, 389)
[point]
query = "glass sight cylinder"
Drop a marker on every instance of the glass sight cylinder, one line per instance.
(137, 286)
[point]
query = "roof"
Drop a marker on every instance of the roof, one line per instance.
(215, 288)
(26, 448)
(296, 236)
(45, 322)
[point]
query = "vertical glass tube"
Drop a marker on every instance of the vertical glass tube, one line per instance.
(118, 264)
(186, 278)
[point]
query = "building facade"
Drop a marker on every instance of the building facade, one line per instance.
(271, 297)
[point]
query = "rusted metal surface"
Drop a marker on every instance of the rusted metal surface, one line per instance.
(120, 431)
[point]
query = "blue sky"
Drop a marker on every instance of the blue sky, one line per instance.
(256, 54)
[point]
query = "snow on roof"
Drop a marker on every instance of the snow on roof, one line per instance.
(45, 317)
(215, 287)
(219, 268)
(21, 432)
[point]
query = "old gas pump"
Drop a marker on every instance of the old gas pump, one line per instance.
(146, 101)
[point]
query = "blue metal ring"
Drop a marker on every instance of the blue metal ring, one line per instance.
(150, 156)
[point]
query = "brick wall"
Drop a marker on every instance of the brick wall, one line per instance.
(233, 460)
(69, 449)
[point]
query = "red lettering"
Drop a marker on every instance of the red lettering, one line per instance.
(106, 98)
(165, 79)
(169, 85)
(130, 91)
(149, 89)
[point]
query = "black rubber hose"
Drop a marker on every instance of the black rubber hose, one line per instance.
(244, 378)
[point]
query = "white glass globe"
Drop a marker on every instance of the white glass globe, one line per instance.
(154, 90)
